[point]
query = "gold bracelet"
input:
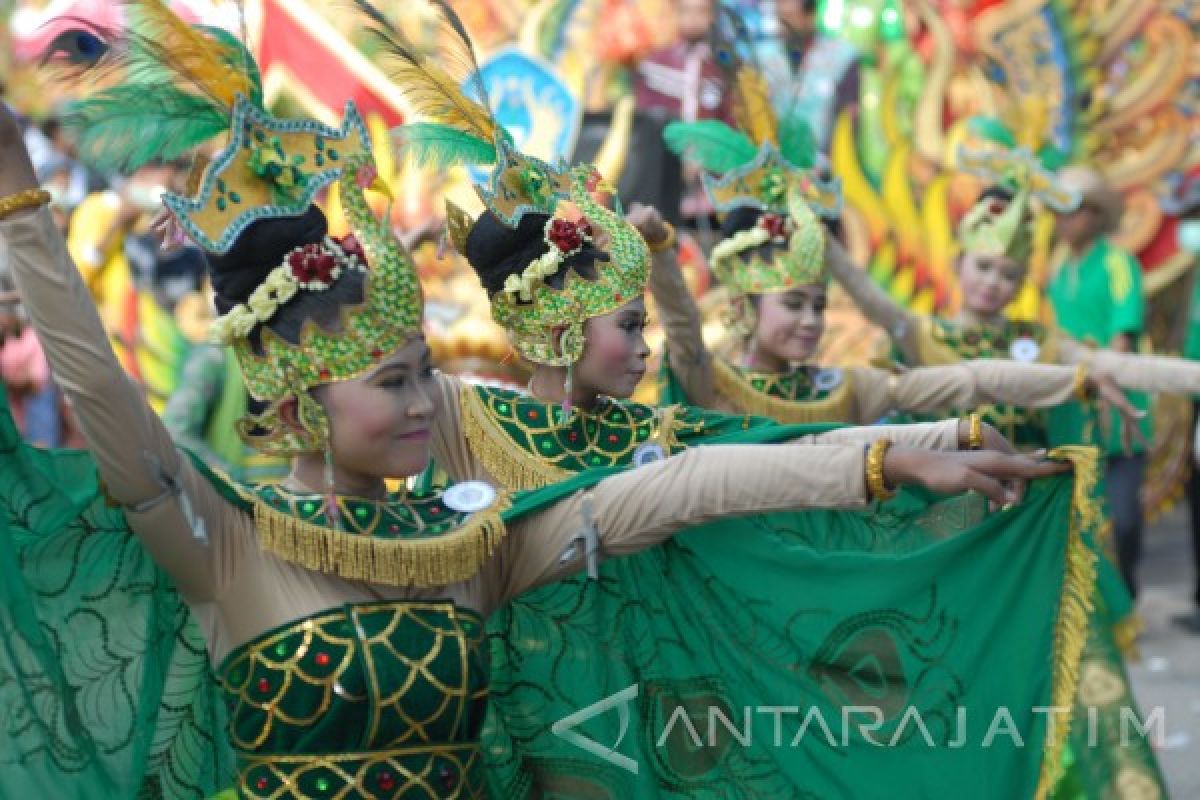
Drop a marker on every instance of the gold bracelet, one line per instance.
(877, 487)
(667, 242)
(975, 432)
(30, 198)
(1081, 392)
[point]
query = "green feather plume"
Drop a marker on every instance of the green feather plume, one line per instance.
(711, 143)
(993, 130)
(440, 146)
(126, 126)
(796, 141)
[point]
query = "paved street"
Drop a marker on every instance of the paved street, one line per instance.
(1168, 674)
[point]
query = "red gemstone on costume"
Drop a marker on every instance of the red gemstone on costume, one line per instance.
(448, 778)
(264, 685)
(386, 781)
(435, 510)
(612, 438)
(394, 528)
(532, 414)
(565, 235)
(774, 225)
(322, 659)
(376, 353)
(325, 374)
(261, 784)
(573, 436)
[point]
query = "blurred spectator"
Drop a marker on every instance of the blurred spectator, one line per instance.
(100, 228)
(809, 72)
(683, 81)
(1097, 298)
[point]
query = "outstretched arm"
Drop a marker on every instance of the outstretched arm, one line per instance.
(1132, 371)
(901, 325)
(640, 508)
(164, 496)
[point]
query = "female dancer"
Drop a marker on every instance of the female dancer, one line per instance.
(346, 621)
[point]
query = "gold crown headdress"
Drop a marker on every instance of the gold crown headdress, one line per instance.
(998, 227)
(546, 323)
(766, 163)
(184, 85)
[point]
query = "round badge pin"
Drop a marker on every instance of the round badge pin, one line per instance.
(1025, 350)
(648, 453)
(469, 497)
(826, 380)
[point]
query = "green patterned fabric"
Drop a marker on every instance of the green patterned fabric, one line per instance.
(370, 700)
(1068, 424)
(104, 677)
(818, 610)
(604, 437)
(811, 612)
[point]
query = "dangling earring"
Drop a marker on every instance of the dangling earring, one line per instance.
(331, 505)
(569, 384)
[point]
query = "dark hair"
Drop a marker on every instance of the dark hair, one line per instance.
(496, 251)
(743, 218)
(262, 247)
(997, 192)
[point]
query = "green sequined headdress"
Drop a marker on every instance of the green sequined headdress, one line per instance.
(765, 164)
(998, 227)
(205, 84)
(457, 127)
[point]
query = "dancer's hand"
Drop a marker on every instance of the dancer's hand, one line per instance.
(16, 168)
(1110, 397)
(649, 223)
(1000, 477)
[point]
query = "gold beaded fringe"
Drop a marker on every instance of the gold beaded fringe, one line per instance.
(426, 562)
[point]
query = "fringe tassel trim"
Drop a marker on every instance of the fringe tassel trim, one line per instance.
(837, 407)
(1070, 629)
(505, 460)
(427, 562)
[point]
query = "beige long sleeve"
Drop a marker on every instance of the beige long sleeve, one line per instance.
(680, 318)
(135, 454)
(1133, 371)
(962, 386)
(644, 506)
(899, 323)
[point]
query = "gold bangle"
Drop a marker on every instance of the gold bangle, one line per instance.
(666, 243)
(975, 432)
(30, 198)
(1081, 384)
(877, 487)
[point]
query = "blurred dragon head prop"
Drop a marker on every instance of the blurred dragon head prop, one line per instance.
(1003, 226)
(458, 128)
(766, 163)
(182, 86)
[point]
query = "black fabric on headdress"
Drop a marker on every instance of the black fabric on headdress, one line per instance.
(260, 248)
(496, 251)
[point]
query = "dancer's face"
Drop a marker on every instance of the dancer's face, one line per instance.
(614, 352)
(989, 283)
(381, 422)
(790, 325)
